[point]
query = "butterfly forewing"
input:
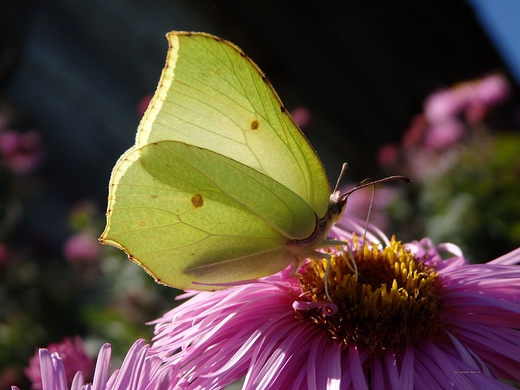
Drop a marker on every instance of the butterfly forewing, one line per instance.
(213, 96)
(186, 213)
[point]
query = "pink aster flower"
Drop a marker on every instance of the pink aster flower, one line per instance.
(138, 372)
(401, 317)
(73, 357)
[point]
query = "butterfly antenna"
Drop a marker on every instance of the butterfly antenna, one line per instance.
(369, 212)
(366, 183)
(344, 168)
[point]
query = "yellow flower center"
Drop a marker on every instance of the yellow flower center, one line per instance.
(393, 298)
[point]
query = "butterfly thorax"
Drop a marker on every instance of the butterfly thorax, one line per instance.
(334, 212)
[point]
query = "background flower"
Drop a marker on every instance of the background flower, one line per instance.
(464, 171)
(73, 359)
(137, 372)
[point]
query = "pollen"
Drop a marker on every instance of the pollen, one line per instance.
(388, 298)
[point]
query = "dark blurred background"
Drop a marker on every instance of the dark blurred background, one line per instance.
(76, 72)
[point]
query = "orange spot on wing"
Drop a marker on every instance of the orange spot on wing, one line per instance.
(197, 200)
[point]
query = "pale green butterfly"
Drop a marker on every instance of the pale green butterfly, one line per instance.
(221, 186)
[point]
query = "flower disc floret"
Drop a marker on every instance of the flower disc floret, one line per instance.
(385, 297)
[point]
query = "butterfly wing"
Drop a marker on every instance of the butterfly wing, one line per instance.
(187, 214)
(213, 96)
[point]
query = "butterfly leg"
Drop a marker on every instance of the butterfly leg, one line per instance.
(296, 267)
(326, 278)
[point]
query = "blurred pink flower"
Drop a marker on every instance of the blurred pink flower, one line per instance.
(414, 135)
(443, 105)
(430, 144)
(143, 104)
(4, 253)
(492, 89)
(302, 116)
(72, 356)
(470, 98)
(82, 247)
(475, 113)
(21, 153)
(388, 156)
(360, 201)
(408, 318)
(445, 134)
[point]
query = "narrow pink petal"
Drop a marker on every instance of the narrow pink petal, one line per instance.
(135, 369)
(112, 379)
(131, 364)
(313, 360)
(406, 379)
(151, 365)
(164, 381)
(346, 366)
(447, 372)
(451, 248)
(204, 359)
(376, 372)
(483, 275)
(358, 377)
(299, 380)
(423, 375)
(210, 335)
(357, 225)
(429, 374)
(475, 377)
(471, 359)
(332, 366)
(78, 381)
(264, 352)
(505, 368)
(274, 365)
(491, 301)
(270, 362)
(510, 258)
(59, 372)
(102, 366)
(272, 331)
(492, 339)
(391, 368)
(47, 370)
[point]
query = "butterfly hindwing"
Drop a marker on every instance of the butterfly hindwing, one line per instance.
(186, 213)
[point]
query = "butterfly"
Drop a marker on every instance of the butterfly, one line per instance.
(221, 185)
